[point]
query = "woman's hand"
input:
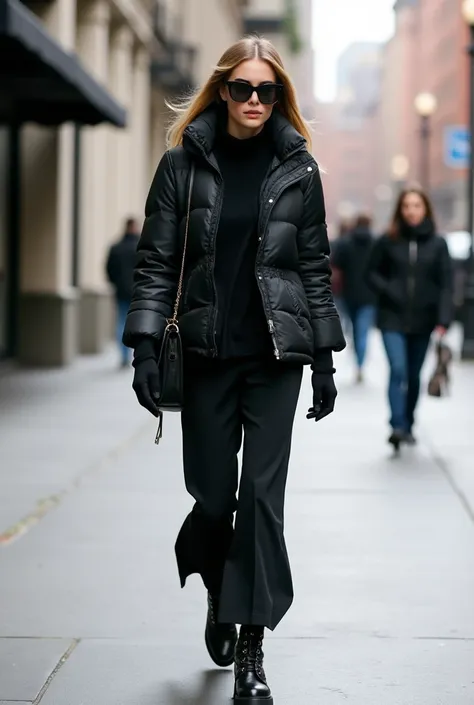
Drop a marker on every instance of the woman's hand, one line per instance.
(146, 383)
(324, 395)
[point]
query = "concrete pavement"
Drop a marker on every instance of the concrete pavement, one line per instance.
(382, 551)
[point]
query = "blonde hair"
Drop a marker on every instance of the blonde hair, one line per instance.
(250, 47)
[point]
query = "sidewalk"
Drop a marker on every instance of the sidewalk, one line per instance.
(382, 551)
(56, 425)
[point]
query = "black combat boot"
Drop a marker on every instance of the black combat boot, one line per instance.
(220, 638)
(250, 681)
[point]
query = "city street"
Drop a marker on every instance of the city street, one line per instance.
(382, 550)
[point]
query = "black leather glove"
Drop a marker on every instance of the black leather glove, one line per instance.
(324, 389)
(146, 381)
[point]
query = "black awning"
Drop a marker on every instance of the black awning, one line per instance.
(40, 82)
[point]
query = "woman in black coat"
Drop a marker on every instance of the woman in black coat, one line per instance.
(256, 307)
(410, 272)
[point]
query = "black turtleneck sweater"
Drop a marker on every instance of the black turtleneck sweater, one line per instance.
(242, 328)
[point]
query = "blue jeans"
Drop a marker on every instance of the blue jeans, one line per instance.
(122, 310)
(362, 319)
(406, 355)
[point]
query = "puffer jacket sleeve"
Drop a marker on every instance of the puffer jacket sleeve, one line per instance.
(156, 272)
(315, 269)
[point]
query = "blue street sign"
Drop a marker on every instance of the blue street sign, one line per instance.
(457, 146)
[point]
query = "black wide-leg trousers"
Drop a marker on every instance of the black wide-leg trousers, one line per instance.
(244, 561)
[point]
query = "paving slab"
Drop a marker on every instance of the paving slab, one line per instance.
(56, 424)
(375, 545)
(363, 671)
(381, 550)
(449, 429)
(25, 664)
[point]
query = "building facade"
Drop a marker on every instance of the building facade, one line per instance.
(347, 139)
(288, 24)
(426, 54)
(443, 62)
(72, 169)
(302, 63)
(375, 128)
(396, 130)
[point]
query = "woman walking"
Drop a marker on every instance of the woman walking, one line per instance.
(410, 271)
(351, 260)
(344, 229)
(256, 307)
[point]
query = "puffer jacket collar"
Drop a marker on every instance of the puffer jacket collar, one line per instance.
(423, 231)
(200, 135)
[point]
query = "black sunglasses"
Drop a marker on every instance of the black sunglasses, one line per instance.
(268, 93)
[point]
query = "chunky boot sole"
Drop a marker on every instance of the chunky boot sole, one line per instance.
(219, 662)
(253, 701)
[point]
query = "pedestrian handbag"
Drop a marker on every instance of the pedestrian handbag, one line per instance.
(170, 360)
(438, 385)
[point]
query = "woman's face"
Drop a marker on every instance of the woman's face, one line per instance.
(413, 209)
(248, 118)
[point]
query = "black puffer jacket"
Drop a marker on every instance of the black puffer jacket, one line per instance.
(120, 264)
(292, 266)
(412, 277)
(352, 257)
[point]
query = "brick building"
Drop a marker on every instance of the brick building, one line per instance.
(396, 123)
(345, 143)
(426, 53)
(443, 38)
(374, 120)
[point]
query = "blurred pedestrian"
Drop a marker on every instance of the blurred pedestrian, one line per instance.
(410, 271)
(351, 259)
(345, 226)
(120, 265)
(256, 307)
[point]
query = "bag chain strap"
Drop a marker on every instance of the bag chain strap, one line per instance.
(173, 322)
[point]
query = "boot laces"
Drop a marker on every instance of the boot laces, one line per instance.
(213, 605)
(251, 653)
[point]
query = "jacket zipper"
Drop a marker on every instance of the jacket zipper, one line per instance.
(412, 259)
(216, 170)
(214, 246)
(216, 311)
(271, 325)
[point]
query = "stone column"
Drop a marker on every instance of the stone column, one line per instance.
(59, 16)
(121, 172)
(93, 50)
(48, 303)
(120, 175)
(140, 132)
(159, 116)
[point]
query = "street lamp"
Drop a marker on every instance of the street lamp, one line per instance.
(467, 352)
(425, 106)
(400, 166)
